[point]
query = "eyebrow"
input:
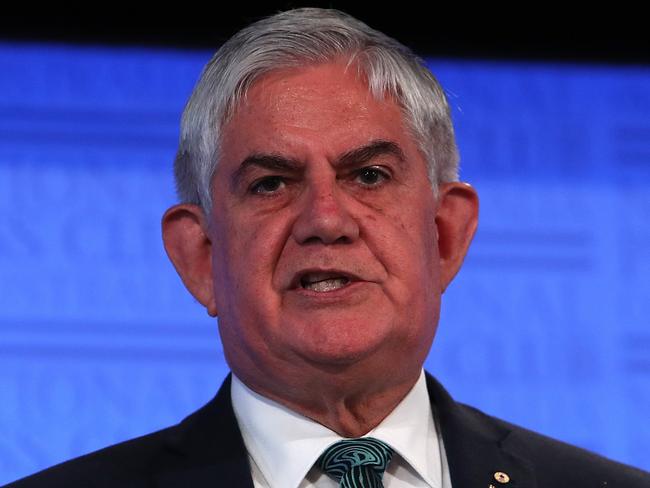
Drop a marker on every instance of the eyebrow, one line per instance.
(273, 162)
(369, 152)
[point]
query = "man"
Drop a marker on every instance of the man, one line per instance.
(321, 220)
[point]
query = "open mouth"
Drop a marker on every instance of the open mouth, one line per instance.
(323, 282)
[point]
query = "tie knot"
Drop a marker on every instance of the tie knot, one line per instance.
(349, 456)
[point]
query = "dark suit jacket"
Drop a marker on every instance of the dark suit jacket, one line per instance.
(206, 450)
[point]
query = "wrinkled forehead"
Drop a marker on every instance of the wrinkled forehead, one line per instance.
(284, 86)
(330, 103)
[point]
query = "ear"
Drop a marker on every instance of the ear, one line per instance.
(190, 250)
(456, 220)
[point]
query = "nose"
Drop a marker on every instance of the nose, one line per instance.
(324, 217)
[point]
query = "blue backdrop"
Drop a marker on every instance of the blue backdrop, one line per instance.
(546, 326)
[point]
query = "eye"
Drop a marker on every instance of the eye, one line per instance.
(372, 176)
(269, 184)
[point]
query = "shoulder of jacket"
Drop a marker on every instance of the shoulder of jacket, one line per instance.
(558, 463)
(125, 463)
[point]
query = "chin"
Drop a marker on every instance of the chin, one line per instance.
(333, 356)
(336, 359)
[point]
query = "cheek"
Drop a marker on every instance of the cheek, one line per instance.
(246, 254)
(408, 250)
(246, 301)
(424, 277)
(412, 239)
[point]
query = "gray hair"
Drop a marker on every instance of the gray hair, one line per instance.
(291, 39)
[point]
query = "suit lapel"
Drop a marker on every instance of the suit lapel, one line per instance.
(476, 446)
(206, 449)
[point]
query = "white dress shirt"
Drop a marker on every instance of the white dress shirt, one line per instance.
(283, 445)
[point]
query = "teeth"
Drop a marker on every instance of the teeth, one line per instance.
(325, 285)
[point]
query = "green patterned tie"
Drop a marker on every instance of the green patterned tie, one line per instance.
(356, 463)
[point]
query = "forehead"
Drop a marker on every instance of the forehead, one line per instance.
(327, 106)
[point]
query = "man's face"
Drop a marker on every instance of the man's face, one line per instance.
(323, 231)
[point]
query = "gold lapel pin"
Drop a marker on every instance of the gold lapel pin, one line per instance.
(502, 477)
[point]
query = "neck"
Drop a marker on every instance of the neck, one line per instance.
(348, 407)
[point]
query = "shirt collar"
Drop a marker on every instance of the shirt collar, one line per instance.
(273, 434)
